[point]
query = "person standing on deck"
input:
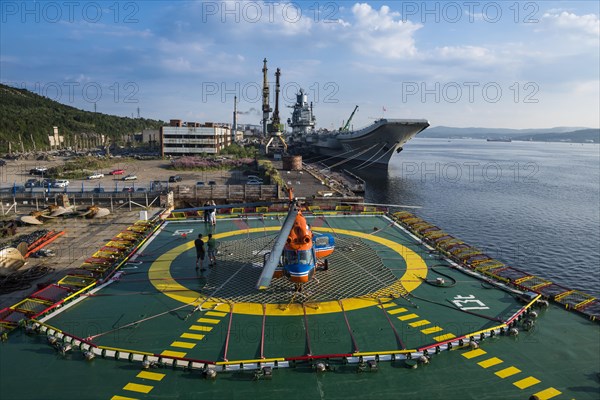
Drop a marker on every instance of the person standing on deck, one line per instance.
(206, 211)
(200, 253)
(211, 245)
(213, 213)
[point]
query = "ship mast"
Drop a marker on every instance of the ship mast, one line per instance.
(265, 106)
(276, 121)
(275, 129)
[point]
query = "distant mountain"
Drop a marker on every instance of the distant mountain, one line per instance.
(25, 116)
(574, 134)
(579, 136)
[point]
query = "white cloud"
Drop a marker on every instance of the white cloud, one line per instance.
(587, 24)
(198, 58)
(85, 29)
(382, 32)
(584, 88)
(466, 53)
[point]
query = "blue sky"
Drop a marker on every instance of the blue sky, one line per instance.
(473, 63)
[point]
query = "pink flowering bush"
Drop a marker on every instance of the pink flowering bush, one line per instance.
(202, 164)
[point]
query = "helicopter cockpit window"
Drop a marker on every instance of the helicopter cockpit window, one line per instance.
(322, 241)
(305, 257)
(298, 257)
(290, 257)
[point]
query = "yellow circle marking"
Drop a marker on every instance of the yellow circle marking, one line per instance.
(161, 279)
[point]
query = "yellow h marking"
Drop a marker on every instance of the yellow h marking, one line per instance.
(183, 345)
(419, 323)
(407, 316)
(506, 372)
(444, 337)
(215, 314)
(490, 362)
(201, 328)
(209, 320)
(192, 336)
(431, 330)
(170, 353)
(473, 353)
(397, 310)
(150, 375)
(134, 387)
(548, 393)
(525, 383)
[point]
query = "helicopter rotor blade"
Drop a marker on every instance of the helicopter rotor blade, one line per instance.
(269, 269)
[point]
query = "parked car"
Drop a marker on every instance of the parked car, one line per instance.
(141, 189)
(117, 172)
(98, 190)
(254, 181)
(200, 184)
(38, 171)
(212, 183)
(2, 163)
(33, 182)
(156, 186)
(96, 176)
(175, 178)
(128, 189)
(61, 183)
(129, 178)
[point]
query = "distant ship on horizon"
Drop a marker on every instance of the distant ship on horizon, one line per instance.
(372, 146)
(499, 140)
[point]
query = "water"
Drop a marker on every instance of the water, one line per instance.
(533, 206)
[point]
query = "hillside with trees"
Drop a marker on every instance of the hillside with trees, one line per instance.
(28, 118)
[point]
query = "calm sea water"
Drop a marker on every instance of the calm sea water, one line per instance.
(534, 206)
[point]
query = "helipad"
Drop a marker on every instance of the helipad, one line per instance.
(373, 293)
(386, 297)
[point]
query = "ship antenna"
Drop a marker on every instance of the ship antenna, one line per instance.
(276, 121)
(265, 106)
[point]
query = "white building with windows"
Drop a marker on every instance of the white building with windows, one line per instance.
(193, 138)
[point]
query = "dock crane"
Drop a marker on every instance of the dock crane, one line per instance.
(275, 128)
(346, 127)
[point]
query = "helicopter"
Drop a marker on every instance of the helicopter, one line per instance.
(297, 251)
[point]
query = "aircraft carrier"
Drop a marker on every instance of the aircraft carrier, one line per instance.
(369, 147)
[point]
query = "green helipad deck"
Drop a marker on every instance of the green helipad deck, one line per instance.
(386, 304)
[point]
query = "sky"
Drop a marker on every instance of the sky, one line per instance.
(502, 64)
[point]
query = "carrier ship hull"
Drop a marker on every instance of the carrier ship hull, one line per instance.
(370, 147)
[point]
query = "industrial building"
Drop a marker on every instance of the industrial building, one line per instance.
(192, 138)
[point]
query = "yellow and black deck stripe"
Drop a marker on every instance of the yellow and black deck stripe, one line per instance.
(188, 341)
(505, 372)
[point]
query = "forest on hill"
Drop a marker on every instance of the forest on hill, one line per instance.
(28, 118)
